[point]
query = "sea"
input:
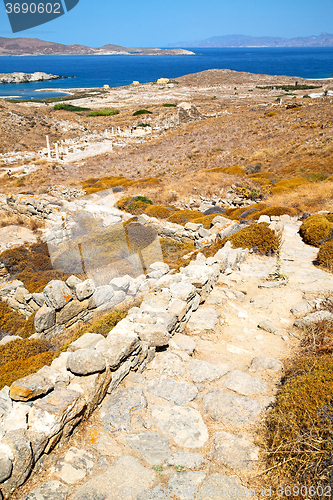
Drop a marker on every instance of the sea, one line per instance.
(119, 70)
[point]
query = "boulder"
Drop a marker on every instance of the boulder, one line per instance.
(16, 418)
(313, 318)
(101, 295)
(203, 320)
(85, 362)
(45, 318)
(9, 338)
(156, 301)
(84, 289)
(204, 233)
(116, 348)
(168, 363)
(6, 403)
(303, 308)
(73, 281)
(192, 226)
(269, 327)
(30, 387)
(121, 283)
(198, 275)
(75, 465)
(10, 286)
(39, 298)
(153, 335)
(22, 295)
(183, 291)
(72, 309)
(57, 294)
(87, 341)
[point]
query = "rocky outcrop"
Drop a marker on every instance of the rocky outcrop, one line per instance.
(18, 77)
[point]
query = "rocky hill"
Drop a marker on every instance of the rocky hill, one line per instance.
(35, 47)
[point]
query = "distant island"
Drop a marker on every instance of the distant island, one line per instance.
(323, 40)
(36, 47)
(18, 77)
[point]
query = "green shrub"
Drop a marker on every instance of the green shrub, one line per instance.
(69, 107)
(316, 229)
(259, 237)
(169, 105)
(104, 112)
(142, 112)
(325, 255)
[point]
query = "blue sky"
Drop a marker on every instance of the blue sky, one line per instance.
(151, 23)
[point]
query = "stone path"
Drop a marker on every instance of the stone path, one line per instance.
(185, 427)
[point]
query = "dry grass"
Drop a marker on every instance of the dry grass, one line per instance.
(12, 220)
(297, 431)
(308, 198)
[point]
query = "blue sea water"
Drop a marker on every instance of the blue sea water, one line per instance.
(114, 70)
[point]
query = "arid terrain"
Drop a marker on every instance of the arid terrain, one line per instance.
(167, 303)
(245, 121)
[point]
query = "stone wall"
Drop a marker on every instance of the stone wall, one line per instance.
(42, 410)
